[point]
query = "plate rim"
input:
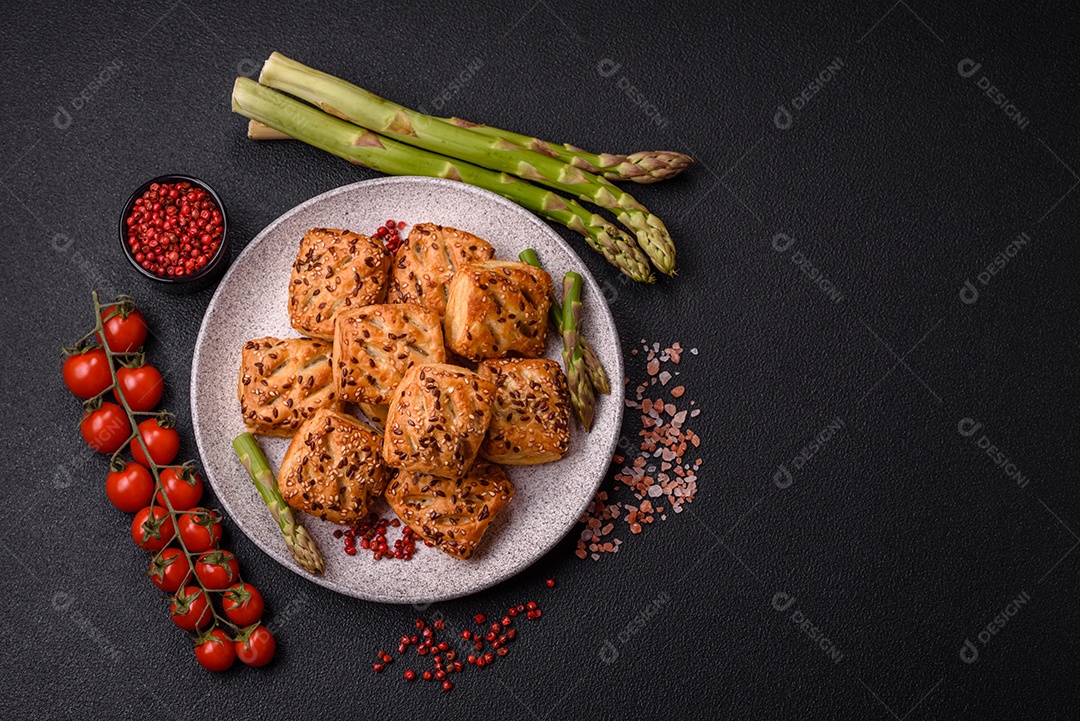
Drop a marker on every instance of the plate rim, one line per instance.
(594, 291)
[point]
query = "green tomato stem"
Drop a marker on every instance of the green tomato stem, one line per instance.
(155, 470)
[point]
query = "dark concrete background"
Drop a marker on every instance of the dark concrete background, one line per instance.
(898, 180)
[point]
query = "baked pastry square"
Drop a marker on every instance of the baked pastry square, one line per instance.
(283, 381)
(530, 412)
(437, 420)
(452, 514)
(498, 308)
(333, 469)
(425, 263)
(376, 344)
(334, 269)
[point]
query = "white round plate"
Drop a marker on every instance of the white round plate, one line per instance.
(250, 303)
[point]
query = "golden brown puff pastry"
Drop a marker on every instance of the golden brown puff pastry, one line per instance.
(451, 513)
(376, 344)
(530, 413)
(437, 420)
(282, 382)
(427, 260)
(498, 308)
(334, 269)
(333, 469)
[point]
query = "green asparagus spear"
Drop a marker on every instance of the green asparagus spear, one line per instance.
(529, 256)
(363, 147)
(648, 166)
(301, 545)
(582, 397)
(368, 110)
(593, 368)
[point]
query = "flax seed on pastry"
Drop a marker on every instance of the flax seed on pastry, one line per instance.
(333, 469)
(497, 308)
(426, 262)
(283, 381)
(375, 345)
(376, 415)
(334, 270)
(530, 411)
(453, 514)
(437, 419)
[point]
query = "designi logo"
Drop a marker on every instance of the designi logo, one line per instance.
(784, 118)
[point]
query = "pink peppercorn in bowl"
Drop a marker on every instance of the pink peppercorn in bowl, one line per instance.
(173, 231)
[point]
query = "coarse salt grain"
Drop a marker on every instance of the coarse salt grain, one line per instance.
(671, 480)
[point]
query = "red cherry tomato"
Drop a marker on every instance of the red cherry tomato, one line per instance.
(216, 653)
(152, 528)
(141, 387)
(124, 334)
(217, 570)
(181, 494)
(191, 609)
(163, 443)
(87, 374)
(106, 429)
(130, 489)
(258, 648)
(243, 604)
(200, 529)
(170, 569)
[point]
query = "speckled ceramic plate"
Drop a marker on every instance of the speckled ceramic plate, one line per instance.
(250, 303)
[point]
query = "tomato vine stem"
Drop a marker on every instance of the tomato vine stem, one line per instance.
(155, 469)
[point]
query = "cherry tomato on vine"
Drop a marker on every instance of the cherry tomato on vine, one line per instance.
(200, 529)
(181, 494)
(163, 443)
(141, 387)
(106, 428)
(152, 532)
(257, 647)
(131, 488)
(124, 334)
(216, 653)
(190, 609)
(169, 570)
(87, 374)
(243, 604)
(217, 570)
